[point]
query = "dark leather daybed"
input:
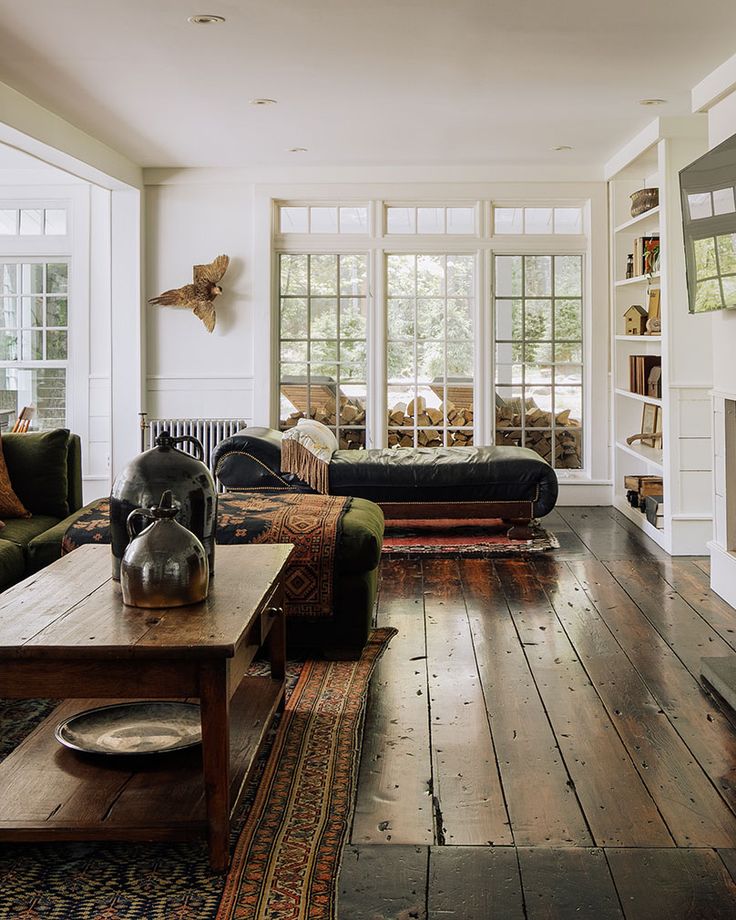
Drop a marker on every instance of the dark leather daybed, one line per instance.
(512, 483)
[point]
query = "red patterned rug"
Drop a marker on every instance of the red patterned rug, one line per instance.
(459, 538)
(287, 856)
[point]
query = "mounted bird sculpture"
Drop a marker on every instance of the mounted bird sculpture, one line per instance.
(200, 295)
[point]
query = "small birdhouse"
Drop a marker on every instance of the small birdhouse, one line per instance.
(635, 318)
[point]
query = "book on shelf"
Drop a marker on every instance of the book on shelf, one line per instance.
(642, 257)
(645, 375)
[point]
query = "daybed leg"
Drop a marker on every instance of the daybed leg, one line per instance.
(520, 529)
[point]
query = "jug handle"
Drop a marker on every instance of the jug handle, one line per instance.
(190, 439)
(143, 512)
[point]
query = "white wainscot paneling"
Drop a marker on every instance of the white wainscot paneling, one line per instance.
(720, 520)
(719, 430)
(694, 415)
(696, 492)
(205, 396)
(695, 454)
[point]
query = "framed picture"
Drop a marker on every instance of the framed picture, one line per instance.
(651, 424)
(653, 304)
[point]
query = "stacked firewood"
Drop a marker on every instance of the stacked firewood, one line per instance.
(428, 421)
(351, 412)
(538, 423)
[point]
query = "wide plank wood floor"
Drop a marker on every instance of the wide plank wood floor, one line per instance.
(538, 741)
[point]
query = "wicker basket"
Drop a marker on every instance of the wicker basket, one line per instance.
(644, 200)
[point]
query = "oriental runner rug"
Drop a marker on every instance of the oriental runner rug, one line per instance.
(287, 841)
(460, 538)
(311, 522)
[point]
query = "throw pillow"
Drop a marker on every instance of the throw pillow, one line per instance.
(37, 463)
(10, 505)
(306, 451)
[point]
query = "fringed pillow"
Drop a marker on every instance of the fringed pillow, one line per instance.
(306, 451)
(10, 505)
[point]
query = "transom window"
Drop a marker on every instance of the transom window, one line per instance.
(432, 220)
(539, 355)
(323, 334)
(323, 219)
(33, 222)
(557, 221)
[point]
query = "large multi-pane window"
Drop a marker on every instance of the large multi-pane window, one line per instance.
(430, 363)
(323, 334)
(34, 327)
(539, 355)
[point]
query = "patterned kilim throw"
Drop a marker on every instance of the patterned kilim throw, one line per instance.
(311, 522)
(288, 839)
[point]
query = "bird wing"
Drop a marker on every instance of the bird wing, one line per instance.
(178, 297)
(212, 272)
(206, 312)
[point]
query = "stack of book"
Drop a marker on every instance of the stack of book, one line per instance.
(645, 375)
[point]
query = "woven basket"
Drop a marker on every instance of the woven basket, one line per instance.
(644, 200)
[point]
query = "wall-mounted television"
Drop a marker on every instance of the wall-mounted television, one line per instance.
(708, 189)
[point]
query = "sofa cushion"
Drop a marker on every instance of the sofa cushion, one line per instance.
(359, 543)
(22, 530)
(12, 564)
(37, 463)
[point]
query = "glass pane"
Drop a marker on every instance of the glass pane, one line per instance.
(460, 360)
(324, 318)
(510, 353)
(323, 274)
(569, 319)
(729, 291)
(723, 201)
(400, 318)
(460, 276)
(430, 275)
(294, 317)
(430, 362)
(56, 312)
(352, 362)
(31, 222)
(568, 220)
(538, 397)
(727, 253)
(568, 276)
(56, 348)
(32, 311)
(569, 352)
(538, 373)
(8, 222)
(538, 220)
(294, 220)
(569, 398)
(398, 399)
(708, 296)
(353, 317)
(400, 220)
(32, 278)
(294, 272)
(538, 353)
(399, 362)
(700, 205)
(508, 319)
(537, 276)
(295, 351)
(55, 222)
(538, 319)
(323, 220)
(353, 275)
(508, 374)
(57, 278)
(9, 315)
(508, 220)
(353, 220)
(705, 258)
(9, 278)
(430, 318)
(32, 346)
(459, 319)
(461, 220)
(44, 388)
(568, 374)
(568, 448)
(323, 402)
(401, 278)
(8, 347)
(352, 408)
(430, 220)
(324, 359)
(508, 276)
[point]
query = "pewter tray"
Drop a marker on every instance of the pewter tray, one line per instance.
(146, 727)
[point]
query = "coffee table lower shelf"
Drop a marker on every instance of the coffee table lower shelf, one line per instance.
(48, 792)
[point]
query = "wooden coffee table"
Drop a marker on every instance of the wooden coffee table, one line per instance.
(65, 633)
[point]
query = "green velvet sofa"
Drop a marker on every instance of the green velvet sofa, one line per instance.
(45, 469)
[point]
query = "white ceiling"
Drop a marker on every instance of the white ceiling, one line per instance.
(384, 82)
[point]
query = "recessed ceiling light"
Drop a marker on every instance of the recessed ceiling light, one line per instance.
(297, 149)
(263, 102)
(652, 101)
(205, 19)
(562, 148)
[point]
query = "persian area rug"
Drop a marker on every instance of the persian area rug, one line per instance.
(459, 538)
(287, 842)
(311, 522)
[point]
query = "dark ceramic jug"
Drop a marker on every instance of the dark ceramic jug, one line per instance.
(165, 565)
(144, 480)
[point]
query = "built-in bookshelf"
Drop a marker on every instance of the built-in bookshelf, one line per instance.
(681, 457)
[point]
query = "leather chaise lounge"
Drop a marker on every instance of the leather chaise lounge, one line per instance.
(511, 483)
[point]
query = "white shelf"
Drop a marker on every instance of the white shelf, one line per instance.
(639, 279)
(641, 218)
(638, 338)
(640, 519)
(645, 399)
(652, 455)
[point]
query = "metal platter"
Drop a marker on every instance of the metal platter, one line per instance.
(145, 727)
